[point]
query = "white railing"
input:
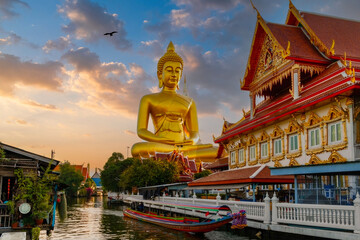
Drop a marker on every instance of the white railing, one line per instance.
(341, 217)
(329, 216)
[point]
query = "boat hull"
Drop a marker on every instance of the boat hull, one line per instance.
(172, 223)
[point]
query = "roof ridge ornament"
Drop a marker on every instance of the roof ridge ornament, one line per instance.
(252, 4)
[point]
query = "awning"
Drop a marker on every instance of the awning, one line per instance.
(222, 187)
(345, 168)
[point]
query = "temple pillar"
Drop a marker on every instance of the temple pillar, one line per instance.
(252, 105)
(295, 75)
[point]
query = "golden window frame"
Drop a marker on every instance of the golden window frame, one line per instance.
(293, 128)
(335, 114)
(277, 133)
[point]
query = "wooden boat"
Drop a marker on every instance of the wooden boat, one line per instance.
(184, 224)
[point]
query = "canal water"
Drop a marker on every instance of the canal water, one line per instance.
(94, 219)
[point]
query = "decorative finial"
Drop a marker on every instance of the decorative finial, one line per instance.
(332, 51)
(252, 4)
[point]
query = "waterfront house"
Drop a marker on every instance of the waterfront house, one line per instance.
(304, 117)
(16, 158)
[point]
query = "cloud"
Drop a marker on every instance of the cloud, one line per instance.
(59, 44)
(13, 39)
(18, 122)
(6, 7)
(206, 5)
(213, 81)
(106, 86)
(41, 75)
(129, 132)
(10, 40)
(89, 21)
(39, 105)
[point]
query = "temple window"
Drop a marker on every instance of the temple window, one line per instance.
(293, 143)
(264, 150)
(233, 157)
(241, 156)
(277, 147)
(335, 129)
(314, 137)
(252, 155)
(334, 133)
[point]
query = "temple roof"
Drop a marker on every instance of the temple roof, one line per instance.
(219, 163)
(331, 82)
(258, 174)
(300, 46)
(328, 33)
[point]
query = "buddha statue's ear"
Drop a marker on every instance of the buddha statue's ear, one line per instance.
(161, 83)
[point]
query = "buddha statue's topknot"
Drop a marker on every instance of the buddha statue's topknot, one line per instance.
(170, 55)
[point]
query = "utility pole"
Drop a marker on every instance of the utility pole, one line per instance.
(127, 152)
(52, 153)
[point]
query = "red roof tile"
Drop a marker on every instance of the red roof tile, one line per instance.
(222, 162)
(346, 33)
(242, 175)
(300, 46)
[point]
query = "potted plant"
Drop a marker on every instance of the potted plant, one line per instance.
(11, 207)
(35, 191)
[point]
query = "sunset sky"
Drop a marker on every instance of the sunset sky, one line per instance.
(67, 87)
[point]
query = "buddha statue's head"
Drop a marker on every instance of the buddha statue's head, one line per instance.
(171, 61)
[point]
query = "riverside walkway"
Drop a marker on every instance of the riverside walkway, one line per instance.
(325, 221)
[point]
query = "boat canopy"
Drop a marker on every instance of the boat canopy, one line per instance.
(200, 208)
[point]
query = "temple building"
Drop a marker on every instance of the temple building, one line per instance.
(307, 123)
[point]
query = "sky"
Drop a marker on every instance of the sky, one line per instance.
(65, 86)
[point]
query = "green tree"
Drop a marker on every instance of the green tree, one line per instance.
(201, 174)
(149, 172)
(113, 168)
(115, 158)
(70, 177)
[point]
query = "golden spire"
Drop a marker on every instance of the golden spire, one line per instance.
(171, 47)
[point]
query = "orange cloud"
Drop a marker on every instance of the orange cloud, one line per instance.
(129, 132)
(42, 75)
(39, 105)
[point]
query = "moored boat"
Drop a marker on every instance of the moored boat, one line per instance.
(179, 223)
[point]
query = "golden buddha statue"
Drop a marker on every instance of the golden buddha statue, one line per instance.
(174, 116)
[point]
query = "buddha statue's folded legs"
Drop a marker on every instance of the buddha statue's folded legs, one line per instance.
(199, 151)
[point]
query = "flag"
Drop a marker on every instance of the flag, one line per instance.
(207, 213)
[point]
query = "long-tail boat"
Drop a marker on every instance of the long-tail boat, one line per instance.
(184, 224)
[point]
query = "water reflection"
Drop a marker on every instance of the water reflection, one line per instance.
(93, 219)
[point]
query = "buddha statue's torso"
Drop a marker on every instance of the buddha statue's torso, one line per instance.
(168, 112)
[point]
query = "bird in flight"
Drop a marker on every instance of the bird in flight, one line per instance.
(110, 33)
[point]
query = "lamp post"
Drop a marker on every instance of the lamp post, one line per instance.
(127, 152)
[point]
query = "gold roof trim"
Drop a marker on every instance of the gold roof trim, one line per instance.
(269, 84)
(284, 52)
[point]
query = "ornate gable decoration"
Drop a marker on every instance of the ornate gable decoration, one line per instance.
(313, 120)
(335, 157)
(334, 113)
(293, 127)
(264, 137)
(252, 140)
(270, 56)
(277, 132)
